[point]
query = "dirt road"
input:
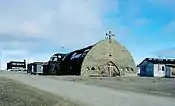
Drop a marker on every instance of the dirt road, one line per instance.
(91, 95)
(147, 85)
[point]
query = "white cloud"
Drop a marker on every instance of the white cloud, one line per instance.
(9, 55)
(73, 24)
(66, 19)
(31, 28)
(77, 23)
(13, 52)
(38, 58)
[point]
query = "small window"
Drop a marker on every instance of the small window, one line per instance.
(88, 68)
(14, 63)
(55, 59)
(93, 68)
(59, 56)
(163, 68)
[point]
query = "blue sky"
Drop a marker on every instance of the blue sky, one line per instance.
(35, 29)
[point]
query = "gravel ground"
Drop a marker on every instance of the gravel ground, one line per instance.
(13, 93)
(91, 95)
(155, 86)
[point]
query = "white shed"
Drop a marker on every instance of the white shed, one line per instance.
(154, 67)
(35, 68)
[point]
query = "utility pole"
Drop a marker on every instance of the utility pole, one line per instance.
(159, 57)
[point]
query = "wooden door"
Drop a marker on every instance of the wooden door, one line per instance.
(110, 70)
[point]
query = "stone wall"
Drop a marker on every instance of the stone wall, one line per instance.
(98, 56)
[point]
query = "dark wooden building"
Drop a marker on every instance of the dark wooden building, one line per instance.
(52, 67)
(105, 58)
(16, 65)
(71, 63)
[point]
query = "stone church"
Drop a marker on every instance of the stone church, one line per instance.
(107, 58)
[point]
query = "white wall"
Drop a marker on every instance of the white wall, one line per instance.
(159, 73)
(138, 70)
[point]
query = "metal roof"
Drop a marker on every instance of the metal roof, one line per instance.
(16, 62)
(159, 61)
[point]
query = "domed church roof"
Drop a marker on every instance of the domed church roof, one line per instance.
(105, 58)
(108, 55)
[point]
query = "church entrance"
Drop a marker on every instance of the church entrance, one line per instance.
(110, 70)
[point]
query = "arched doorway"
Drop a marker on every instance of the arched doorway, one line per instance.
(110, 70)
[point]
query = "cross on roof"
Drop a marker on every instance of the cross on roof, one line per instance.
(109, 35)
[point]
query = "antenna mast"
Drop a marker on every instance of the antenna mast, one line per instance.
(159, 57)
